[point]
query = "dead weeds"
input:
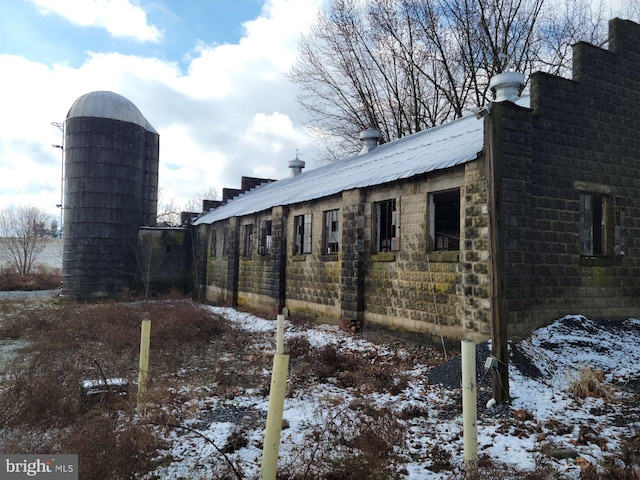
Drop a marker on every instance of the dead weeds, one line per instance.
(43, 408)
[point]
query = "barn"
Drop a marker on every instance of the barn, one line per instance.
(517, 214)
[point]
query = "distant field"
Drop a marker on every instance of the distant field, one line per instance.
(51, 257)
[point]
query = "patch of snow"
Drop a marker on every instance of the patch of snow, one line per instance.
(559, 351)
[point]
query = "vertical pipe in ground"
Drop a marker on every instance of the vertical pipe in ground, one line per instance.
(469, 406)
(143, 372)
(277, 391)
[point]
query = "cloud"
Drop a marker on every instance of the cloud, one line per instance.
(118, 17)
(228, 112)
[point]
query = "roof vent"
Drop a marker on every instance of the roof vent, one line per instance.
(296, 166)
(507, 86)
(370, 138)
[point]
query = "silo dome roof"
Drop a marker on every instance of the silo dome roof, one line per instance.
(105, 104)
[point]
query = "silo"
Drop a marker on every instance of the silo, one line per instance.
(110, 190)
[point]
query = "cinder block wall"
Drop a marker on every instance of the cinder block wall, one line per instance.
(416, 289)
(259, 274)
(312, 279)
(583, 131)
(164, 259)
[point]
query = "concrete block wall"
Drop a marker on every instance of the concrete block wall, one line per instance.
(417, 289)
(581, 135)
(474, 289)
(164, 258)
(353, 244)
(260, 274)
(217, 265)
(312, 279)
(440, 293)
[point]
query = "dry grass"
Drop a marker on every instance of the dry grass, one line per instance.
(43, 410)
(42, 407)
(310, 364)
(590, 383)
(43, 279)
(350, 443)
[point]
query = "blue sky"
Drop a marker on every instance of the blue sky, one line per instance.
(50, 37)
(207, 74)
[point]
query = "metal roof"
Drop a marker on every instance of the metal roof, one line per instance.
(434, 149)
(103, 104)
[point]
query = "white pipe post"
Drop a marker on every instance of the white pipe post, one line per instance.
(145, 335)
(271, 445)
(469, 406)
(280, 335)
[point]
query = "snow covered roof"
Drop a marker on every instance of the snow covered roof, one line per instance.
(434, 149)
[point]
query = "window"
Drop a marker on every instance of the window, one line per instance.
(213, 242)
(387, 226)
(264, 240)
(620, 246)
(226, 241)
(302, 229)
(331, 232)
(247, 240)
(602, 224)
(444, 220)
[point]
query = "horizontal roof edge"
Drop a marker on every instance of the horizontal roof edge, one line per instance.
(437, 148)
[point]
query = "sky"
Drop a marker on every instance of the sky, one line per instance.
(208, 75)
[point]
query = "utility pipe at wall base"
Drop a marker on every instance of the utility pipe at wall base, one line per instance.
(277, 391)
(145, 335)
(469, 406)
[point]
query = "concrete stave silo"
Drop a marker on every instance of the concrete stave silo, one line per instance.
(111, 185)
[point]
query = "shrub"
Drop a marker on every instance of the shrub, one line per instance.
(42, 279)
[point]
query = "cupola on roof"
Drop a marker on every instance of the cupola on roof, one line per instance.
(104, 104)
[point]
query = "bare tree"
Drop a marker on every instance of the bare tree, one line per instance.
(169, 214)
(403, 66)
(194, 204)
(23, 236)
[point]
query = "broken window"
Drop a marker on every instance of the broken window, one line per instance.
(602, 224)
(444, 224)
(331, 232)
(264, 241)
(387, 226)
(248, 240)
(302, 229)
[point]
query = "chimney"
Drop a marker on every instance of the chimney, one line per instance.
(507, 86)
(296, 166)
(370, 139)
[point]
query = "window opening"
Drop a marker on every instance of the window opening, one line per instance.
(264, 243)
(226, 241)
(602, 224)
(387, 226)
(592, 224)
(302, 228)
(445, 220)
(620, 246)
(331, 232)
(248, 240)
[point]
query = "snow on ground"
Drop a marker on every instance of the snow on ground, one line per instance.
(542, 416)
